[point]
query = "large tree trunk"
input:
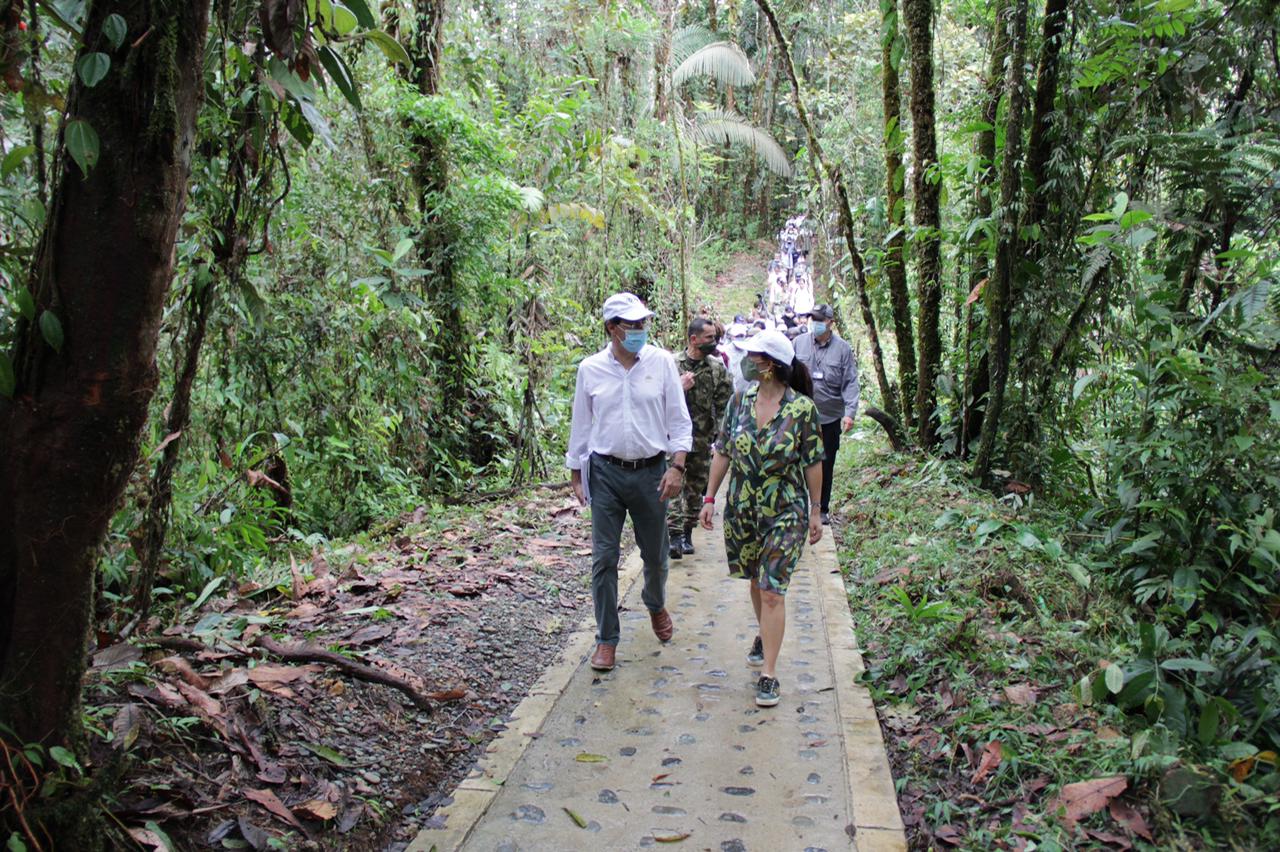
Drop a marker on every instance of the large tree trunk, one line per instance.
(999, 287)
(925, 188)
(661, 56)
(843, 208)
(977, 381)
(436, 244)
(895, 178)
(1038, 147)
(71, 430)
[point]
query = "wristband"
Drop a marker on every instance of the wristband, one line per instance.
(707, 500)
(678, 467)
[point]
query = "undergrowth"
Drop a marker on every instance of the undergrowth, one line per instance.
(988, 636)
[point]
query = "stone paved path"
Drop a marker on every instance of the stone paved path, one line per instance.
(669, 749)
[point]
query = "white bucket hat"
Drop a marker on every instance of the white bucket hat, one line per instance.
(771, 343)
(625, 306)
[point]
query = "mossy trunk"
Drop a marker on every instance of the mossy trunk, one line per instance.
(917, 15)
(891, 50)
(997, 293)
(71, 431)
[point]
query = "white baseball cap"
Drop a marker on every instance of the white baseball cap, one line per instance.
(771, 343)
(625, 306)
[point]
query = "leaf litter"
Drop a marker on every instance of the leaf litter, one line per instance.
(230, 744)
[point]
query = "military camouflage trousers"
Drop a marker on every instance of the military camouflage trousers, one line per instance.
(682, 511)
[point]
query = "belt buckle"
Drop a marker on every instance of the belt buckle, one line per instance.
(631, 464)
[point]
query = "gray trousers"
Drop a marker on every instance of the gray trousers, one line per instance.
(615, 491)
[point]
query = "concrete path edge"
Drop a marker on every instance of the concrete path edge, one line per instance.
(474, 795)
(873, 797)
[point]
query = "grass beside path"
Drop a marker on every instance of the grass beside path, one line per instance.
(976, 631)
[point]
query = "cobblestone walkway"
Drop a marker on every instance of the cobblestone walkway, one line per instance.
(669, 749)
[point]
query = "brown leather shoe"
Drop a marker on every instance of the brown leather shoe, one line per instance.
(602, 659)
(662, 626)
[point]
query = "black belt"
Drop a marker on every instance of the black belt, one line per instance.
(632, 464)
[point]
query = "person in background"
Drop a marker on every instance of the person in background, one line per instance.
(628, 417)
(707, 388)
(835, 388)
(734, 353)
(720, 353)
(771, 447)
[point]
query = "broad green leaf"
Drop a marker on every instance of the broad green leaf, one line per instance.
(340, 74)
(51, 330)
(1028, 539)
(92, 67)
(402, 248)
(209, 588)
(114, 30)
(389, 46)
(334, 757)
(14, 158)
(1082, 383)
(1275, 409)
(8, 382)
(1121, 204)
(15, 844)
(1207, 730)
(344, 20)
(82, 144)
(360, 9)
(990, 526)
(63, 757)
(1140, 237)
(26, 304)
(1079, 574)
(1134, 217)
(1114, 677)
(1184, 664)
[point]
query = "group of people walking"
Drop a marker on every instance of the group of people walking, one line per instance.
(653, 436)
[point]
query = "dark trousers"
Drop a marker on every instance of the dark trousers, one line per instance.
(615, 493)
(830, 446)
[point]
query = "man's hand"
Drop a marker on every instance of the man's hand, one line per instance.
(672, 482)
(705, 516)
(575, 479)
(846, 424)
(815, 525)
(686, 380)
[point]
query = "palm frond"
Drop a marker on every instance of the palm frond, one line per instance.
(688, 40)
(721, 127)
(722, 60)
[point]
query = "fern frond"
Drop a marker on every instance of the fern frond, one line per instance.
(722, 60)
(721, 127)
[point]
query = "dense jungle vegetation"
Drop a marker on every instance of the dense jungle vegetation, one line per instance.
(274, 273)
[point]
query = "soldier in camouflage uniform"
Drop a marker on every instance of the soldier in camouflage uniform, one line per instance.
(707, 388)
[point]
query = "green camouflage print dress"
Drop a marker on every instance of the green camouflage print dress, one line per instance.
(766, 515)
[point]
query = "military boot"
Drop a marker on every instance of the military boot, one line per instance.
(677, 546)
(686, 543)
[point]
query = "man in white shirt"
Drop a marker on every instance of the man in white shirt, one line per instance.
(628, 415)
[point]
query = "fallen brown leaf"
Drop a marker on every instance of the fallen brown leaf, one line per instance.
(180, 667)
(272, 803)
(1128, 816)
(1079, 800)
(992, 754)
(1020, 694)
(317, 809)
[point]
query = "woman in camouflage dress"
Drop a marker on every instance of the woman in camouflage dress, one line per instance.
(771, 444)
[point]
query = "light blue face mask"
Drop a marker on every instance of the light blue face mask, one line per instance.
(635, 340)
(818, 328)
